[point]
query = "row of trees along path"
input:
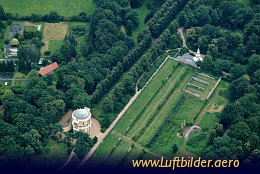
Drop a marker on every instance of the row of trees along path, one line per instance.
(100, 140)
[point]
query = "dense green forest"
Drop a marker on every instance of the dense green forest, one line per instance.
(227, 31)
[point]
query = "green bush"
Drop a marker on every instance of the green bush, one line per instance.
(46, 53)
(18, 89)
(184, 50)
(195, 140)
(6, 41)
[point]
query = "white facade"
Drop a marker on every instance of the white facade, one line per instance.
(81, 120)
(39, 28)
(198, 57)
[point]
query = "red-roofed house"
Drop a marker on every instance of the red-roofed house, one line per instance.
(48, 69)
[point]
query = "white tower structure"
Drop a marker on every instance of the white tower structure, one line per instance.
(81, 120)
(197, 57)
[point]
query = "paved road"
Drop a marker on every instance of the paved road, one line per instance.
(100, 140)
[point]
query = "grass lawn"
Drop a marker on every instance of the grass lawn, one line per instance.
(167, 137)
(54, 45)
(19, 79)
(150, 110)
(198, 140)
(142, 13)
(133, 154)
(145, 97)
(53, 31)
(104, 150)
(9, 82)
(118, 154)
(80, 39)
(165, 112)
(64, 8)
(81, 24)
(207, 88)
(54, 154)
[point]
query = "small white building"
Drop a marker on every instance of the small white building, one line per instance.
(81, 120)
(197, 57)
(39, 28)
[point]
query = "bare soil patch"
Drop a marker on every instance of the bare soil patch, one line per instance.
(53, 31)
(29, 24)
(96, 129)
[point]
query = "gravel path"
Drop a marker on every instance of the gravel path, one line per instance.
(100, 140)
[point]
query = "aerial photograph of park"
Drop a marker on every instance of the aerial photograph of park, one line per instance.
(130, 86)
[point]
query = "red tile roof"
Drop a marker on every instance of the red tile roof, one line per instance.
(48, 69)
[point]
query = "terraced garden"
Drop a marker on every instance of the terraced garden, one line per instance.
(159, 116)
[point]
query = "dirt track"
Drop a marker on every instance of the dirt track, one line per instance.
(184, 44)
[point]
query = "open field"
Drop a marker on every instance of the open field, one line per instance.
(54, 45)
(53, 31)
(64, 8)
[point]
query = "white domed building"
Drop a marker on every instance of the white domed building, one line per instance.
(81, 120)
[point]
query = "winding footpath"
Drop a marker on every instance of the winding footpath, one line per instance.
(182, 37)
(184, 44)
(186, 135)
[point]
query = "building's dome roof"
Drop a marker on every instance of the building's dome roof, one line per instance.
(81, 113)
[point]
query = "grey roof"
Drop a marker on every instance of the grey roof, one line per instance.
(187, 59)
(14, 29)
(40, 61)
(81, 114)
(8, 51)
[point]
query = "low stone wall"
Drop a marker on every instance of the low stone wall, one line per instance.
(214, 88)
(201, 81)
(196, 87)
(208, 76)
(191, 93)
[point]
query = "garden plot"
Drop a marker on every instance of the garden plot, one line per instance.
(53, 31)
(200, 85)
(157, 119)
